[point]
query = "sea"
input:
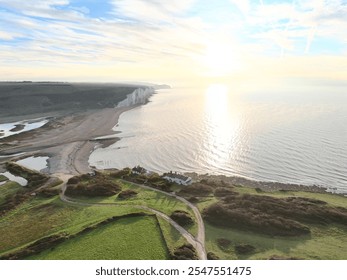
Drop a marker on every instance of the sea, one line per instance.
(290, 134)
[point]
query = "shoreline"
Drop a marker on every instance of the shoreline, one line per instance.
(267, 186)
(68, 140)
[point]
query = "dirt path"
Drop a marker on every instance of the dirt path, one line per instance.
(188, 236)
(200, 238)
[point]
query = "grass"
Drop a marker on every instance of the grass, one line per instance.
(40, 217)
(148, 198)
(136, 238)
(8, 189)
(324, 243)
(172, 237)
(3, 178)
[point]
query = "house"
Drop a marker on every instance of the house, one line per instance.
(177, 178)
(139, 170)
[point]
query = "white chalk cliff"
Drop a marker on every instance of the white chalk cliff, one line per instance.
(138, 96)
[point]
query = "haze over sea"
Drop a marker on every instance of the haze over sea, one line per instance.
(297, 135)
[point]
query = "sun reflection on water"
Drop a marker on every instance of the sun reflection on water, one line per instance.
(221, 126)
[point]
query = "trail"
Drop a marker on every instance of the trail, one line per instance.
(200, 238)
(197, 243)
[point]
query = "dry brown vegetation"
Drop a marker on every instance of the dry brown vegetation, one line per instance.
(87, 185)
(34, 178)
(212, 256)
(273, 216)
(243, 249)
(127, 194)
(196, 189)
(182, 218)
(185, 252)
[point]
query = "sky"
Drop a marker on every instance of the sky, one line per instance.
(174, 41)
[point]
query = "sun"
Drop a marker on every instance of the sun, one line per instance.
(220, 59)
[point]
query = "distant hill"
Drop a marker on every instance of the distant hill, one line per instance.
(36, 98)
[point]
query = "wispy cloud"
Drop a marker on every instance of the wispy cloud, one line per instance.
(130, 37)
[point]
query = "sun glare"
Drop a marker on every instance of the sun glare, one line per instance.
(221, 125)
(220, 59)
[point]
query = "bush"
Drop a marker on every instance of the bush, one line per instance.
(182, 218)
(274, 216)
(35, 179)
(212, 256)
(222, 192)
(193, 199)
(73, 180)
(48, 192)
(102, 188)
(243, 249)
(127, 194)
(185, 252)
(223, 243)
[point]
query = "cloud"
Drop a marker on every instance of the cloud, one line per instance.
(151, 10)
(242, 5)
(157, 37)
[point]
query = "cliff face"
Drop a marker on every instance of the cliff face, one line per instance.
(138, 96)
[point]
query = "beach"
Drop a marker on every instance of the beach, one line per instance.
(67, 140)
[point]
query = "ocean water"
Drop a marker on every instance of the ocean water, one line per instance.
(298, 135)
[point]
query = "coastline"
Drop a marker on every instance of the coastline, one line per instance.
(68, 140)
(265, 186)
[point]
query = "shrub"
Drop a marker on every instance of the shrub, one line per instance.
(102, 188)
(48, 192)
(193, 199)
(274, 216)
(182, 218)
(243, 249)
(212, 256)
(185, 252)
(223, 243)
(73, 180)
(222, 192)
(127, 194)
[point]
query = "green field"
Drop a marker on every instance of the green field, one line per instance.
(324, 242)
(149, 198)
(7, 189)
(40, 217)
(136, 238)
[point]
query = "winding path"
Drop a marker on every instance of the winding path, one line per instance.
(197, 242)
(200, 238)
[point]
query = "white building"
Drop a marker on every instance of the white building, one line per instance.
(177, 178)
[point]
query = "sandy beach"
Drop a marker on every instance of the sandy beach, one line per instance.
(67, 140)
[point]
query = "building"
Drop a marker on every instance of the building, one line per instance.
(139, 170)
(177, 178)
